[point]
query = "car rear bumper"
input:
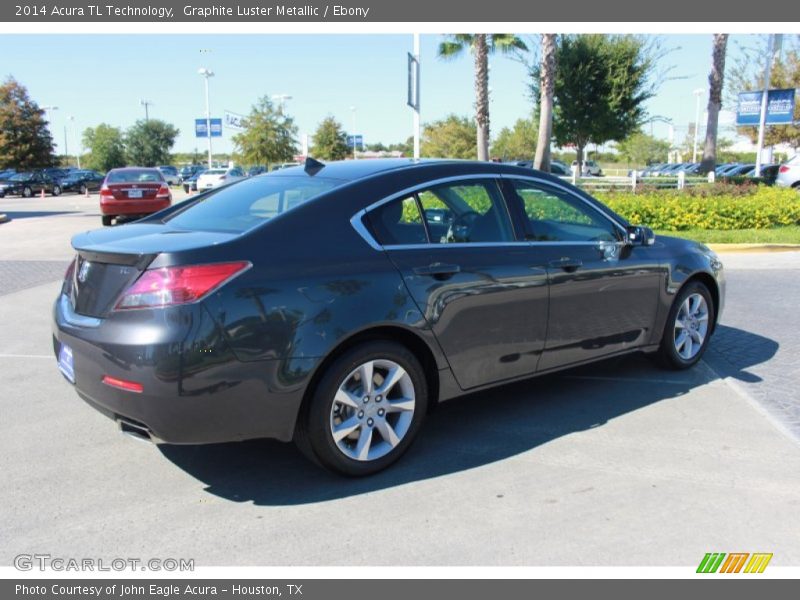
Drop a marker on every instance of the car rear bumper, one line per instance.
(194, 390)
(133, 207)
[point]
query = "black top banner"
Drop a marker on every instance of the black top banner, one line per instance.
(440, 11)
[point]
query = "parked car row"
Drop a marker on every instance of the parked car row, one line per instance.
(51, 180)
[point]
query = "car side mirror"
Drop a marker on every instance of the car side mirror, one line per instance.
(639, 235)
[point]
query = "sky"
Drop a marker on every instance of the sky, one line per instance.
(102, 78)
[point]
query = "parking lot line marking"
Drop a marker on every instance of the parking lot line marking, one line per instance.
(25, 356)
(629, 379)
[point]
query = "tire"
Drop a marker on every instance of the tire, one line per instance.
(107, 220)
(27, 192)
(83, 190)
(378, 435)
(56, 190)
(676, 351)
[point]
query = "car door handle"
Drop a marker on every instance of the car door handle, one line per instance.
(569, 265)
(438, 270)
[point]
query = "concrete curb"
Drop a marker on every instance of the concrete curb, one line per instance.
(723, 248)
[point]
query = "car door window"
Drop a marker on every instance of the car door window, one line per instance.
(557, 216)
(398, 223)
(466, 212)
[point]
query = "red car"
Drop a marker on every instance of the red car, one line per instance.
(133, 192)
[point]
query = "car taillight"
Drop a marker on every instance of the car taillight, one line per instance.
(104, 191)
(67, 285)
(784, 169)
(169, 286)
(163, 191)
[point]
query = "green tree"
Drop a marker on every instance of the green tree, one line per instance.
(329, 141)
(517, 142)
(641, 149)
(481, 45)
(148, 143)
(270, 136)
(601, 86)
(106, 147)
(716, 79)
(452, 137)
(25, 140)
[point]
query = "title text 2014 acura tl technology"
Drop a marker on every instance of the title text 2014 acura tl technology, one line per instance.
(335, 305)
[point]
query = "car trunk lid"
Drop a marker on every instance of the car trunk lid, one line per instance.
(134, 191)
(110, 260)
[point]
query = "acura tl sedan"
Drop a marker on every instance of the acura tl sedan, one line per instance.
(335, 305)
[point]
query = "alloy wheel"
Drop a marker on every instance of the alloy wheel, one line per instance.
(691, 326)
(372, 410)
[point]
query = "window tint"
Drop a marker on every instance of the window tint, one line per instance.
(556, 216)
(466, 212)
(135, 176)
(250, 202)
(398, 222)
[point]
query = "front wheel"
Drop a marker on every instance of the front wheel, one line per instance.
(689, 326)
(366, 409)
(56, 190)
(84, 190)
(27, 192)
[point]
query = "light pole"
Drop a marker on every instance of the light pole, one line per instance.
(281, 100)
(77, 141)
(206, 73)
(698, 93)
(762, 119)
(416, 99)
(48, 113)
(147, 104)
(353, 110)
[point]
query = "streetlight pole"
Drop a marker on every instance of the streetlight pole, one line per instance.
(206, 73)
(77, 141)
(353, 110)
(281, 100)
(48, 113)
(417, 108)
(762, 121)
(697, 94)
(147, 104)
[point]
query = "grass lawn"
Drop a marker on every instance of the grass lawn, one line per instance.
(779, 235)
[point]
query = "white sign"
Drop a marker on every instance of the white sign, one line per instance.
(233, 120)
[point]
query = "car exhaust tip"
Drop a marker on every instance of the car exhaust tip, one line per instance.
(136, 430)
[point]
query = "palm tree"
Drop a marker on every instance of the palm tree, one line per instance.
(481, 45)
(715, 83)
(547, 84)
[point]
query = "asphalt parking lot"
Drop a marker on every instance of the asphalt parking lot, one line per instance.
(620, 463)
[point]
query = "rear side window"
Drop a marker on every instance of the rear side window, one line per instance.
(249, 203)
(398, 222)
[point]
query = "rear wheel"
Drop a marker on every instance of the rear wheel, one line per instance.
(56, 190)
(366, 409)
(689, 326)
(27, 192)
(107, 220)
(84, 190)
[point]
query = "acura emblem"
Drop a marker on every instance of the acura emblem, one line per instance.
(84, 271)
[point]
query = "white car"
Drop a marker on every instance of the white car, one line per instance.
(170, 174)
(789, 173)
(589, 168)
(217, 177)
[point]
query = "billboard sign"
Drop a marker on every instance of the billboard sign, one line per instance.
(201, 128)
(234, 120)
(780, 108)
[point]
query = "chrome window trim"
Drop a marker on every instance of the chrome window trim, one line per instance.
(357, 220)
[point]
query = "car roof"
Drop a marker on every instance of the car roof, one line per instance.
(134, 169)
(352, 170)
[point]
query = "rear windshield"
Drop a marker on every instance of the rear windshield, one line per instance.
(215, 172)
(248, 203)
(135, 176)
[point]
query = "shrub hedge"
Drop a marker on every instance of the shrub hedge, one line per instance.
(718, 206)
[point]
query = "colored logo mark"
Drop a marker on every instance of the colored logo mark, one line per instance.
(734, 562)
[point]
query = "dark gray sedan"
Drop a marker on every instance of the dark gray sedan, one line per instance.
(335, 305)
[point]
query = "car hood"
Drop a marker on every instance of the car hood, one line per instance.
(682, 246)
(147, 238)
